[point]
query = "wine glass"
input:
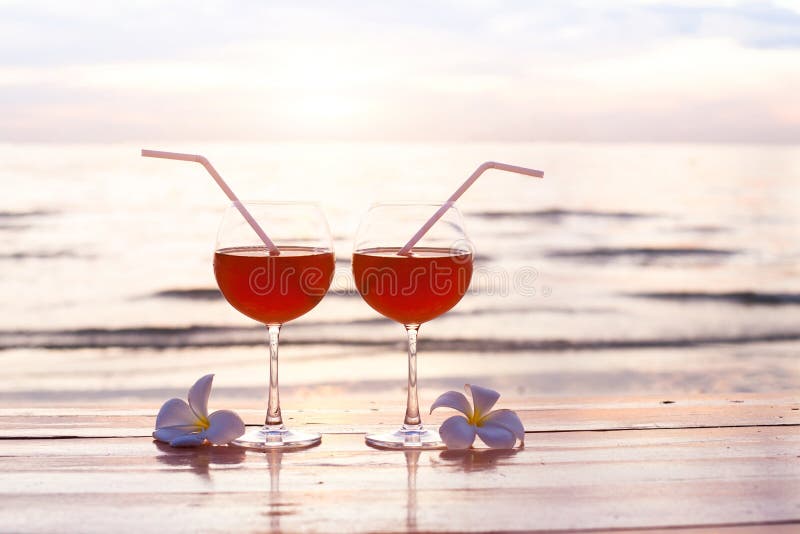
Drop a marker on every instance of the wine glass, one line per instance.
(274, 288)
(411, 289)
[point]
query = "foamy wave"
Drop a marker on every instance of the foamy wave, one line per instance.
(221, 336)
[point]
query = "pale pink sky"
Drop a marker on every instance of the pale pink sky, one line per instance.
(633, 70)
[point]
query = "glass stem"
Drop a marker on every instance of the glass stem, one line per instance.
(412, 420)
(274, 404)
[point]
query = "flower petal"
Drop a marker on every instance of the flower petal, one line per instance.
(225, 426)
(189, 440)
(198, 396)
(168, 433)
(496, 436)
(454, 400)
(457, 433)
(482, 399)
(175, 412)
(508, 419)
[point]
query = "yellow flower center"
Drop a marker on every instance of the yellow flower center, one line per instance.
(475, 419)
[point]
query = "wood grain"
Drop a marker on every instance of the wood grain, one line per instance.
(537, 415)
(713, 478)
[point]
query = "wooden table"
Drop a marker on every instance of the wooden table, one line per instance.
(700, 465)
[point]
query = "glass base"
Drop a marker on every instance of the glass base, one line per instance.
(406, 437)
(269, 438)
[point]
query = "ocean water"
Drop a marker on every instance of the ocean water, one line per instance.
(631, 269)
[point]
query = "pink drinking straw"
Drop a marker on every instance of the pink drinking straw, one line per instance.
(460, 191)
(228, 191)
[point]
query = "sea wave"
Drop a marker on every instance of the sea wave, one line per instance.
(223, 336)
(557, 214)
(42, 255)
(212, 293)
(702, 229)
(14, 227)
(189, 294)
(24, 214)
(15, 221)
(643, 255)
(747, 298)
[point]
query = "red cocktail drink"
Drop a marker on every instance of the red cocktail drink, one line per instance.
(273, 289)
(412, 289)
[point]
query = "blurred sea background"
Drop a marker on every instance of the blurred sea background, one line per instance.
(658, 270)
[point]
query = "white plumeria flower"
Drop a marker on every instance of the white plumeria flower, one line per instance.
(499, 429)
(187, 425)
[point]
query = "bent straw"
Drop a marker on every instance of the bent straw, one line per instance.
(228, 191)
(460, 191)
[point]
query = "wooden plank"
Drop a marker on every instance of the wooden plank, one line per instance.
(538, 416)
(789, 527)
(713, 477)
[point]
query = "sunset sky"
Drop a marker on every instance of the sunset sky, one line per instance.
(482, 70)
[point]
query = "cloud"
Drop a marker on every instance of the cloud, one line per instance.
(423, 71)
